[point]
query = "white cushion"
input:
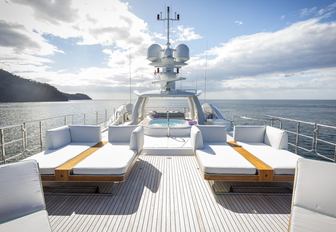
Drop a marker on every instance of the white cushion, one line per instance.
(21, 196)
(196, 138)
(49, 160)
(249, 134)
(137, 139)
(85, 134)
(37, 222)
(156, 131)
(276, 138)
(304, 220)
(179, 131)
(222, 159)
(108, 160)
(282, 162)
(315, 187)
(58, 137)
(213, 133)
(120, 134)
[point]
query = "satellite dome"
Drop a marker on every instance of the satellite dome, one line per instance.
(182, 53)
(154, 52)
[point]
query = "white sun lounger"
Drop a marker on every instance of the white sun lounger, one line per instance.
(215, 157)
(22, 201)
(63, 144)
(233, 162)
(269, 145)
(313, 203)
(115, 159)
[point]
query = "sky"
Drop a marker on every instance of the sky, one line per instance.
(246, 49)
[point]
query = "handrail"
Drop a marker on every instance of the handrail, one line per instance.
(22, 128)
(37, 120)
(298, 133)
(301, 121)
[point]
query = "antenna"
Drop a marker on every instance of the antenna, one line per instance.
(205, 74)
(130, 77)
(168, 19)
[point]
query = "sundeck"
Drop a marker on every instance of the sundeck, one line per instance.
(168, 168)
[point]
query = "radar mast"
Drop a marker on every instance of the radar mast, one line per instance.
(168, 61)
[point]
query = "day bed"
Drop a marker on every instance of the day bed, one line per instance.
(64, 144)
(269, 145)
(115, 159)
(248, 158)
(217, 160)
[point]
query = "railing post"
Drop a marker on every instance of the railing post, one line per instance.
(3, 150)
(272, 122)
(168, 126)
(84, 119)
(41, 140)
(315, 134)
(24, 137)
(280, 124)
(97, 118)
(65, 120)
(297, 137)
(105, 124)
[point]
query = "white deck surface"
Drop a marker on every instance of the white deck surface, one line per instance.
(167, 193)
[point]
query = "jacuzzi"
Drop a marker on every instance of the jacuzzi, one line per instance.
(163, 122)
(160, 127)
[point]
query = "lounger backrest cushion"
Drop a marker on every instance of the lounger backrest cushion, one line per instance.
(85, 133)
(137, 139)
(120, 134)
(21, 192)
(196, 138)
(314, 194)
(249, 134)
(276, 138)
(58, 137)
(213, 133)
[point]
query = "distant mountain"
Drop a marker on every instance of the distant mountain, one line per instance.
(17, 89)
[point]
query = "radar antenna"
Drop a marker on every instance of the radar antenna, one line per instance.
(168, 19)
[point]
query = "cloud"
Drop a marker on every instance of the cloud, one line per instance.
(316, 12)
(186, 34)
(12, 35)
(308, 11)
(109, 24)
(51, 10)
(301, 46)
(311, 79)
(300, 56)
(238, 22)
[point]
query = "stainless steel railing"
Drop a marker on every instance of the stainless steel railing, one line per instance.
(301, 131)
(318, 135)
(33, 141)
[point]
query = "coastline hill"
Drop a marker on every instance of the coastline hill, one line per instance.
(17, 89)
